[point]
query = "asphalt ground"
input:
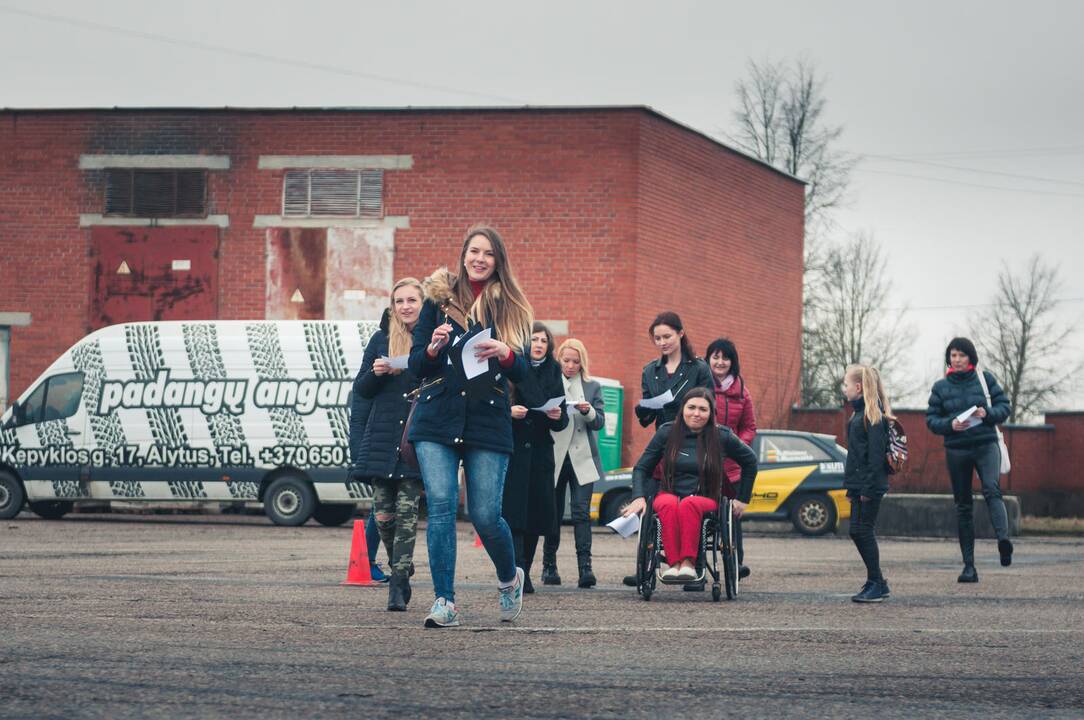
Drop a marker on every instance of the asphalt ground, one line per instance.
(216, 616)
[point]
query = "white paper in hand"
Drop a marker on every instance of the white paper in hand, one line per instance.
(625, 526)
(399, 362)
(550, 404)
(657, 402)
(968, 416)
(472, 366)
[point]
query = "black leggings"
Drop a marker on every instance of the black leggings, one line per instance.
(863, 518)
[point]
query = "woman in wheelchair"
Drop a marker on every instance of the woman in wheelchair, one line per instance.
(692, 449)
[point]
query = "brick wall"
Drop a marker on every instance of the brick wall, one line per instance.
(610, 215)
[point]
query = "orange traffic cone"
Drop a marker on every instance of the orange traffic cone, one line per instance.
(357, 572)
(477, 539)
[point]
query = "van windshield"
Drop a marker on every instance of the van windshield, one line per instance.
(54, 399)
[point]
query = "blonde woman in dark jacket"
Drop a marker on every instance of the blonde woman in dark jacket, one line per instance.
(576, 460)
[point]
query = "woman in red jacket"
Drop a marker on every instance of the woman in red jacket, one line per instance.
(734, 409)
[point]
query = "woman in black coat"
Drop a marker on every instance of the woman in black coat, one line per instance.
(971, 445)
(529, 507)
(397, 487)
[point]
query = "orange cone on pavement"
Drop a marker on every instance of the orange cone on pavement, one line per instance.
(477, 539)
(357, 572)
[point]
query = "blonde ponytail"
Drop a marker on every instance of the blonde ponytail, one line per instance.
(873, 393)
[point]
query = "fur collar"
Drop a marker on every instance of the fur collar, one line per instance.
(438, 290)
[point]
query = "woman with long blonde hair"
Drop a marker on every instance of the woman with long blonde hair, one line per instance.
(865, 475)
(456, 420)
(396, 485)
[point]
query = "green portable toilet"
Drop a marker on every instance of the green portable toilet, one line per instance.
(609, 438)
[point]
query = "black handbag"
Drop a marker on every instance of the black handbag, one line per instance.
(406, 448)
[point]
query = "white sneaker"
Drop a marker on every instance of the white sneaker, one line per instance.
(686, 574)
(512, 598)
(671, 573)
(443, 614)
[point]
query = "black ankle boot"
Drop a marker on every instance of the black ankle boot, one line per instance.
(549, 570)
(969, 575)
(398, 593)
(587, 578)
(528, 586)
(1004, 548)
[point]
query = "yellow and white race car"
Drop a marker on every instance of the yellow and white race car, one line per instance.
(800, 478)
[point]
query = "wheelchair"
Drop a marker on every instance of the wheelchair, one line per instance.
(717, 556)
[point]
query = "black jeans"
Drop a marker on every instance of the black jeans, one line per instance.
(962, 465)
(581, 514)
(863, 519)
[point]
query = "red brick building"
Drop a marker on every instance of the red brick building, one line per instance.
(610, 214)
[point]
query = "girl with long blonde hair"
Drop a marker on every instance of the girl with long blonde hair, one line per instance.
(865, 475)
(459, 421)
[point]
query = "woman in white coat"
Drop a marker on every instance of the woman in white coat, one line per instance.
(576, 461)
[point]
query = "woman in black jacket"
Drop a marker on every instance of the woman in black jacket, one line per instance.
(692, 450)
(971, 445)
(396, 486)
(467, 420)
(865, 474)
(529, 506)
(677, 370)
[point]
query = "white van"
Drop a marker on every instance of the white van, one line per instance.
(212, 411)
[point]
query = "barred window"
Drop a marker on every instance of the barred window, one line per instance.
(338, 193)
(156, 193)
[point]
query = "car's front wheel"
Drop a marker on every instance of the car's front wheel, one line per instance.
(813, 515)
(289, 501)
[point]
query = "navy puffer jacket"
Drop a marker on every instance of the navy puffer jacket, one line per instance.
(389, 395)
(952, 395)
(446, 413)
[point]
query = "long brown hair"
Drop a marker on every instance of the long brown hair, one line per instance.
(399, 338)
(671, 319)
(708, 449)
(502, 302)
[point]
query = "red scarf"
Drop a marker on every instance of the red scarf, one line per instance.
(969, 368)
(477, 286)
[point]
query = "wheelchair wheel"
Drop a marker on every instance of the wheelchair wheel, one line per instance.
(647, 555)
(730, 553)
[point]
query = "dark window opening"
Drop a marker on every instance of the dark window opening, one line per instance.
(54, 399)
(156, 193)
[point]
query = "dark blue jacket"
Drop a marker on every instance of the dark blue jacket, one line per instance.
(378, 447)
(445, 412)
(866, 471)
(954, 394)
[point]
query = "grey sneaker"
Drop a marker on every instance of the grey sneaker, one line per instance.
(444, 614)
(512, 599)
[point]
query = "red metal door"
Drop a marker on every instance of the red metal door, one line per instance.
(168, 273)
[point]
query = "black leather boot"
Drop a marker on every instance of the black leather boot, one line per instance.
(1004, 548)
(549, 569)
(587, 578)
(969, 575)
(398, 593)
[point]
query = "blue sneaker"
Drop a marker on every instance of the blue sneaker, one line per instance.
(874, 591)
(512, 598)
(377, 573)
(443, 614)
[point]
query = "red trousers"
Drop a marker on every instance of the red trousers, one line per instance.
(681, 521)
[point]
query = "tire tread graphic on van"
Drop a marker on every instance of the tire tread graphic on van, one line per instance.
(328, 360)
(145, 350)
(263, 343)
(107, 429)
(205, 358)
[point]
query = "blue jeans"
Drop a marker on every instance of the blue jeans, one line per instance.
(485, 471)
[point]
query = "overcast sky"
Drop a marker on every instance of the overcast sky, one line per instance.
(994, 87)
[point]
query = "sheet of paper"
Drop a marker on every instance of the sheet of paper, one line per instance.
(657, 402)
(968, 416)
(549, 404)
(399, 362)
(472, 366)
(625, 526)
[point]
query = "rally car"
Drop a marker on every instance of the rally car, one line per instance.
(800, 478)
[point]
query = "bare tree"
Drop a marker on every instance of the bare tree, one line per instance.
(780, 119)
(850, 320)
(1021, 341)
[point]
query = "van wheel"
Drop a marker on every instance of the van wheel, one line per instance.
(51, 509)
(813, 515)
(613, 506)
(12, 496)
(333, 515)
(289, 501)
